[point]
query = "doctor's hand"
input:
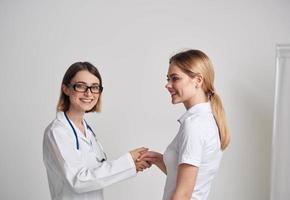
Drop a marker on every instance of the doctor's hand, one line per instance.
(142, 165)
(136, 153)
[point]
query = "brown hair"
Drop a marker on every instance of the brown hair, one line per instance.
(194, 62)
(64, 102)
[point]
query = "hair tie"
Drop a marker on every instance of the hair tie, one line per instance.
(211, 93)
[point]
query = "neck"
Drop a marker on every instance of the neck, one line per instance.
(199, 98)
(76, 117)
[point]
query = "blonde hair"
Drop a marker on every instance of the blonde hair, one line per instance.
(194, 62)
(64, 102)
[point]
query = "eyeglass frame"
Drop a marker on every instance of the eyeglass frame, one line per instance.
(101, 88)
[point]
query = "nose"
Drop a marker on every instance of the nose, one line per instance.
(88, 91)
(168, 85)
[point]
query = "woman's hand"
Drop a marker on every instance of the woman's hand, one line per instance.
(155, 158)
(140, 164)
(136, 153)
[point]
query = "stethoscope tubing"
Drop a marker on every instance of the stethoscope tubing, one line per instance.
(77, 140)
(75, 133)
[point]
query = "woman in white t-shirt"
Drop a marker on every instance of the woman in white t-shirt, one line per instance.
(192, 159)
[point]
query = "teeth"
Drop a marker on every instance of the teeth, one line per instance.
(87, 100)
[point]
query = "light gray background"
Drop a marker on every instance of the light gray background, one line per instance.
(131, 42)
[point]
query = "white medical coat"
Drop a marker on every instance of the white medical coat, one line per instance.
(77, 174)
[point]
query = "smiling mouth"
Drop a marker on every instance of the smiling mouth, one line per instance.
(86, 100)
(173, 95)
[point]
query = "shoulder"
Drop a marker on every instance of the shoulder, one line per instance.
(196, 121)
(56, 128)
(198, 125)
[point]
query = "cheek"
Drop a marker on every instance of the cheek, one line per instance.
(75, 97)
(179, 88)
(72, 97)
(97, 99)
(175, 86)
(188, 91)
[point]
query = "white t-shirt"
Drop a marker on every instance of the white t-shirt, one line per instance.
(197, 143)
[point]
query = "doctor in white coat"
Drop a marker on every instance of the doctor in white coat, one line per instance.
(77, 167)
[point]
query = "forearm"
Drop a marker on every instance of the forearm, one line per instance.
(160, 164)
(155, 158)
(185, 182)
(108, 173)
(181, 196)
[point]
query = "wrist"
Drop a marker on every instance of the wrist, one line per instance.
(133, 155)
(159, 159)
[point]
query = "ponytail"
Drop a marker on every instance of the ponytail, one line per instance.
(193, 62)
(219, 115)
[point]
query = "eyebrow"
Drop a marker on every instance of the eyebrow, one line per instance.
(170, 75)
(86, 83)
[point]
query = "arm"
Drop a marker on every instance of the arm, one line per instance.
(190, 149)
(186, 177)
(62, 157)
(154, 158)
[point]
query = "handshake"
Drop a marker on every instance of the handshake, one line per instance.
(144, 158)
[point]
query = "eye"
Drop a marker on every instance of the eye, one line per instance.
(95, 87)
(175, 78)
(81, 86)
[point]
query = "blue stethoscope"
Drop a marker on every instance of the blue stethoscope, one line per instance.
(77, 140)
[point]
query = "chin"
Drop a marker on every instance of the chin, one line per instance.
(87, 108)
(175, 101)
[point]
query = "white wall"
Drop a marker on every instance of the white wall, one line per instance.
(131, 42)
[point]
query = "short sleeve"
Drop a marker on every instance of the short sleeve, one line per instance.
(190, 144)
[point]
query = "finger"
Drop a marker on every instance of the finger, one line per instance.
(142, 164)
(148, 154)
(145, 164)
(140, 170)
(150, 160)
(141, 149)
(144, 154)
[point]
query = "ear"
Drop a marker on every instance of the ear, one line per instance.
(65, 89)
(198, 80)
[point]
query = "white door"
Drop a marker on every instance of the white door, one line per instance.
(280, 180)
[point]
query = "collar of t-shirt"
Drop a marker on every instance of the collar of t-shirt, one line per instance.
(197, 108)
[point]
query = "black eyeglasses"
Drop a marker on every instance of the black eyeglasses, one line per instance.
(79, 87)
